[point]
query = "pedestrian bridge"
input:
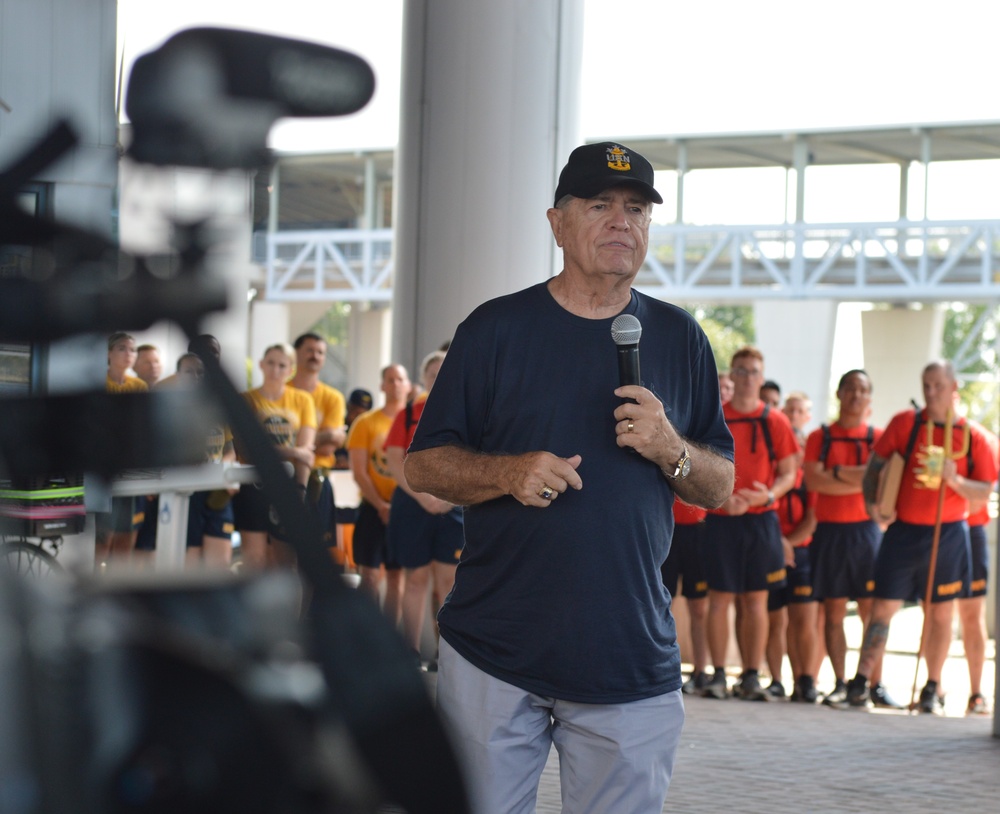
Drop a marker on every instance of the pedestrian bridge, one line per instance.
(902, 261)
(912, 259)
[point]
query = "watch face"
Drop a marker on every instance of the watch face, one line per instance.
(685, 468)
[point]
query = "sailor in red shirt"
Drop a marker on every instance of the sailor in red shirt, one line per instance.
(743, 552)
(425, 534)
(792, 609)
(685, 562)
(972, 608)
(903, 561)
(846, 540)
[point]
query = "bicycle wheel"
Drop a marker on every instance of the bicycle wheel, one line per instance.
(28, 559)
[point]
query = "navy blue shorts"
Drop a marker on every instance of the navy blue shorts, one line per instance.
(204, 521)
(369, 545)
(901, 567)
(325, 505)
(843, 559)
(685, 561)
(797, 589)
(416, 538)
(744, 553)
(252, 511)
(146, 538)
(980, 560)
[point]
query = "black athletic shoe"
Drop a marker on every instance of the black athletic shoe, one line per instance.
(805, 690)
(857, 692)
(881, 698)
(716, 687)
(696, 683)
(838, 698)
(750, 690)
(776, 690)
(930, 701)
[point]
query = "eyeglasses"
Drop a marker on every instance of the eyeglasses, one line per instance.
(743, 371)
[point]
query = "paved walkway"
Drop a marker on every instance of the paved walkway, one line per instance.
(778, 758)
(772, 758)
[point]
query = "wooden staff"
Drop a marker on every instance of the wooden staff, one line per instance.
(932, 566)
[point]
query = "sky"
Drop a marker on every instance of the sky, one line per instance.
(658, 67)
(662, 67)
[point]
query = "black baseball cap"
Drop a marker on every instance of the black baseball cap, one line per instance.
(360, 398)
(593, 168)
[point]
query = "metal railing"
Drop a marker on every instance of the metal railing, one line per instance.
(341, 264)
(894, 261)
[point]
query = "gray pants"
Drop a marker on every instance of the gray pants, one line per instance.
(613, 758)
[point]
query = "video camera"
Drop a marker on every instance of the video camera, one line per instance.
(210, 693)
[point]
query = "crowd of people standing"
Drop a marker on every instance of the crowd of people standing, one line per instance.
(828, 547)
(586, 502)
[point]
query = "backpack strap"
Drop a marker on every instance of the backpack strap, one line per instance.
(765, 431)
(912, 442)
(828, 439)
(408, 419)
(802, 495)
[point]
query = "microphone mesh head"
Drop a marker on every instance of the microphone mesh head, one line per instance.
(626, 330)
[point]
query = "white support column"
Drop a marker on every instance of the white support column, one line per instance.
(371, 195)
(274, 198)
(904, 189)
(796, 338)
(898, 344)
(368, 348)
(925, 159)
(800, 156)
(488, 118)
(682, 169)
(269, 324)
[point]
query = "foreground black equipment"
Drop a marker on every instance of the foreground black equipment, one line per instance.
(194, 694)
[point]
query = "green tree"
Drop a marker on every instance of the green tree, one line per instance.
(970, 341)
(728, 328)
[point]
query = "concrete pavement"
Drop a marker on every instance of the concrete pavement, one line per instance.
(780, 757)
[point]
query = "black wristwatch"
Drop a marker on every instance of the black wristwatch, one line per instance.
(682, 468)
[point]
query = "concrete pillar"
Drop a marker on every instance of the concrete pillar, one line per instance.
(368, 347)
(796, 338)
(898, 343)
(488, 118)
(269, 324)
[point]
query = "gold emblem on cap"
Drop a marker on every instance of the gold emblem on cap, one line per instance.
(618, 159)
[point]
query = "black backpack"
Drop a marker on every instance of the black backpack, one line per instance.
(869, 439)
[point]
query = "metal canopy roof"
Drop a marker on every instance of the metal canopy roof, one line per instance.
(326, 190)
(322, 191)
(862, 145)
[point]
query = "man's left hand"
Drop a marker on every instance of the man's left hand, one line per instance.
(644, 427)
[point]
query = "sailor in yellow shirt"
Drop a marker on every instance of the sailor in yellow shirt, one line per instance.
(289, 418)
(331, 432)
(117, 530)
(371, 472)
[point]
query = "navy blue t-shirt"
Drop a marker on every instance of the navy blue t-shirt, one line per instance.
(567, 601)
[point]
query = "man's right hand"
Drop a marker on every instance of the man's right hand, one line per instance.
(532, 473)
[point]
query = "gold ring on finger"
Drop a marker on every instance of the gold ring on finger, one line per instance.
(631, 426)
(547, 493)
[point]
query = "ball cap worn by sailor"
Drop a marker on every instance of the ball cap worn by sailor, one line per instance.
(593, 168)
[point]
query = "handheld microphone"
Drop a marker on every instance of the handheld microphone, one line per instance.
(625, 331)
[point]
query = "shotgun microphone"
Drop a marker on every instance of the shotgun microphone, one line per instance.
(625, 331)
